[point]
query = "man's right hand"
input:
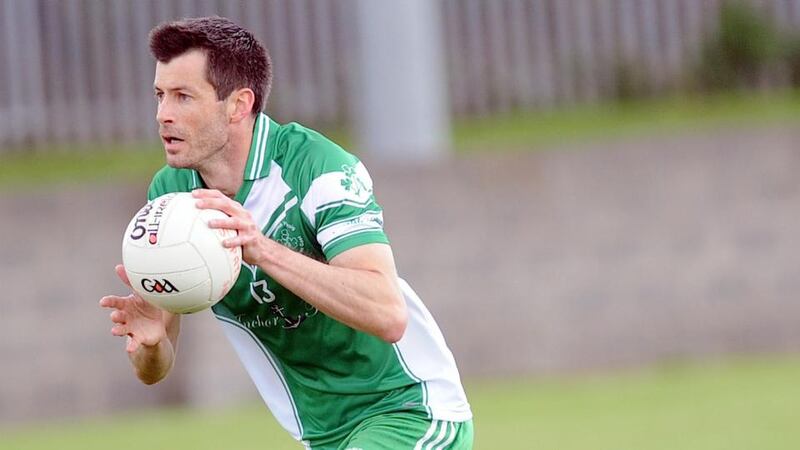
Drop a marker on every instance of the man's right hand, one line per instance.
(152, 333)
(143, 323)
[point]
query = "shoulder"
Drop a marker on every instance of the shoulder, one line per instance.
(169, 179)
(305, 155)
(303, 148)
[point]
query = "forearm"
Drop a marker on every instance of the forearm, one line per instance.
(367, 300)
(153, 363)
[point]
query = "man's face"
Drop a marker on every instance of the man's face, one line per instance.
(191, 121)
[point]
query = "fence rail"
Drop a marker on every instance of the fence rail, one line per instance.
(79, 70)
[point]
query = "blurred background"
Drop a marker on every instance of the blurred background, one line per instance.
(597, 200)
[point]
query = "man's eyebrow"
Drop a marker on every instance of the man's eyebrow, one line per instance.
(174, 88)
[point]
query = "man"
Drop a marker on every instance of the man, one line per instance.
(342, 351)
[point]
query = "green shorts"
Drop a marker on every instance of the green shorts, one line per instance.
(406, 431)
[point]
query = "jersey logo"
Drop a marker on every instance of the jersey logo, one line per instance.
(285, 237)
(351, 182)
(289, 323)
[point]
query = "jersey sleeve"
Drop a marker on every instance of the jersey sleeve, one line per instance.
(168, 180)
(340, 203)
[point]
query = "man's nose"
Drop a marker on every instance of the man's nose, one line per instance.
(164, 112)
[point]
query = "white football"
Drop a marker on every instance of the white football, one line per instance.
(174, 260)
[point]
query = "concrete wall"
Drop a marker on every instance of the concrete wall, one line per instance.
(621, 254)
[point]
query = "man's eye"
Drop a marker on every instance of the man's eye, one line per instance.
(158, 96)
(183, 97)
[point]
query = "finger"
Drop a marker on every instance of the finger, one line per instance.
(240, 240)
(206, 193)
(118, 316)
(225, 205)
(132, 345)
(120, 269)
(233, 242)
(119, 330)
(113, 301)
(231, 223)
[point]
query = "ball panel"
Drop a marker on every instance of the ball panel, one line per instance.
(145, 229)
(162, 260)
(223, 263)
(183, 302)
(182, 281)
(181, 214)
(174, 260)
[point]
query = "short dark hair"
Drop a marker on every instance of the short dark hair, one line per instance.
(235, 58)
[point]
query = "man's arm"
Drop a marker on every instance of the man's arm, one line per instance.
(358, 288)
(153, 362)
(152, 333)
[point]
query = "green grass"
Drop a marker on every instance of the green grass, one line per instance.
(519, 131)
(721, 406)
(746, 405)
(536, 130)
(76, 165)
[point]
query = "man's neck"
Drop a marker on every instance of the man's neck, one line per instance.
(225, 170)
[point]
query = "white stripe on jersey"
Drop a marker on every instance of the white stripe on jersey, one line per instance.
(425, 354)
(328, 189)
(263, 144)
(365, 222)
(266, 375)
(254, 169)
(286, 206)
(266, 196)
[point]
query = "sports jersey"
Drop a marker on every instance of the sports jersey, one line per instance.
(319, 377)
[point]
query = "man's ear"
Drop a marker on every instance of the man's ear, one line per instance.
(240, 103)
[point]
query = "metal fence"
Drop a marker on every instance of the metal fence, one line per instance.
(79, 70)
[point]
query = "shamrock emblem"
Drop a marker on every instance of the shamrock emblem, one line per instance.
(351, 182)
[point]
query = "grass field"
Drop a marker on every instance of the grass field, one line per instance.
(510, 132)
(654, 117)
(745, 404)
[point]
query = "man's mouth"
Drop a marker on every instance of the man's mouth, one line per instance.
(171, 139)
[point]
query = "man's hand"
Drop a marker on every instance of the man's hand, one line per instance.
(250, 238)
(142, 322)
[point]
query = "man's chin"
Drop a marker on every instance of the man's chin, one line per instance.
(176, 161)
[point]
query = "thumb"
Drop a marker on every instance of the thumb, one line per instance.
(120, 269)
(132, 345)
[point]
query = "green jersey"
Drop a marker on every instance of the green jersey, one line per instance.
(319, 377)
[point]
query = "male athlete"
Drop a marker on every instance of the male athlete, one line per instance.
(342, 351)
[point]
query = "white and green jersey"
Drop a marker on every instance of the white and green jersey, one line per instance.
(318, 376)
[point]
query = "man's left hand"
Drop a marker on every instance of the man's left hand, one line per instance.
(249, 237)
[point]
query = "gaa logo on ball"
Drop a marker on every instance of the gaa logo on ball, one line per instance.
(158, 286)
(174, 260)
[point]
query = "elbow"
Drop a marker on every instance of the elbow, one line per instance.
(395, 326)
(150, 378)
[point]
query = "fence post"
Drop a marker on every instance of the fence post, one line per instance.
(15, 121)
(401, 110)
